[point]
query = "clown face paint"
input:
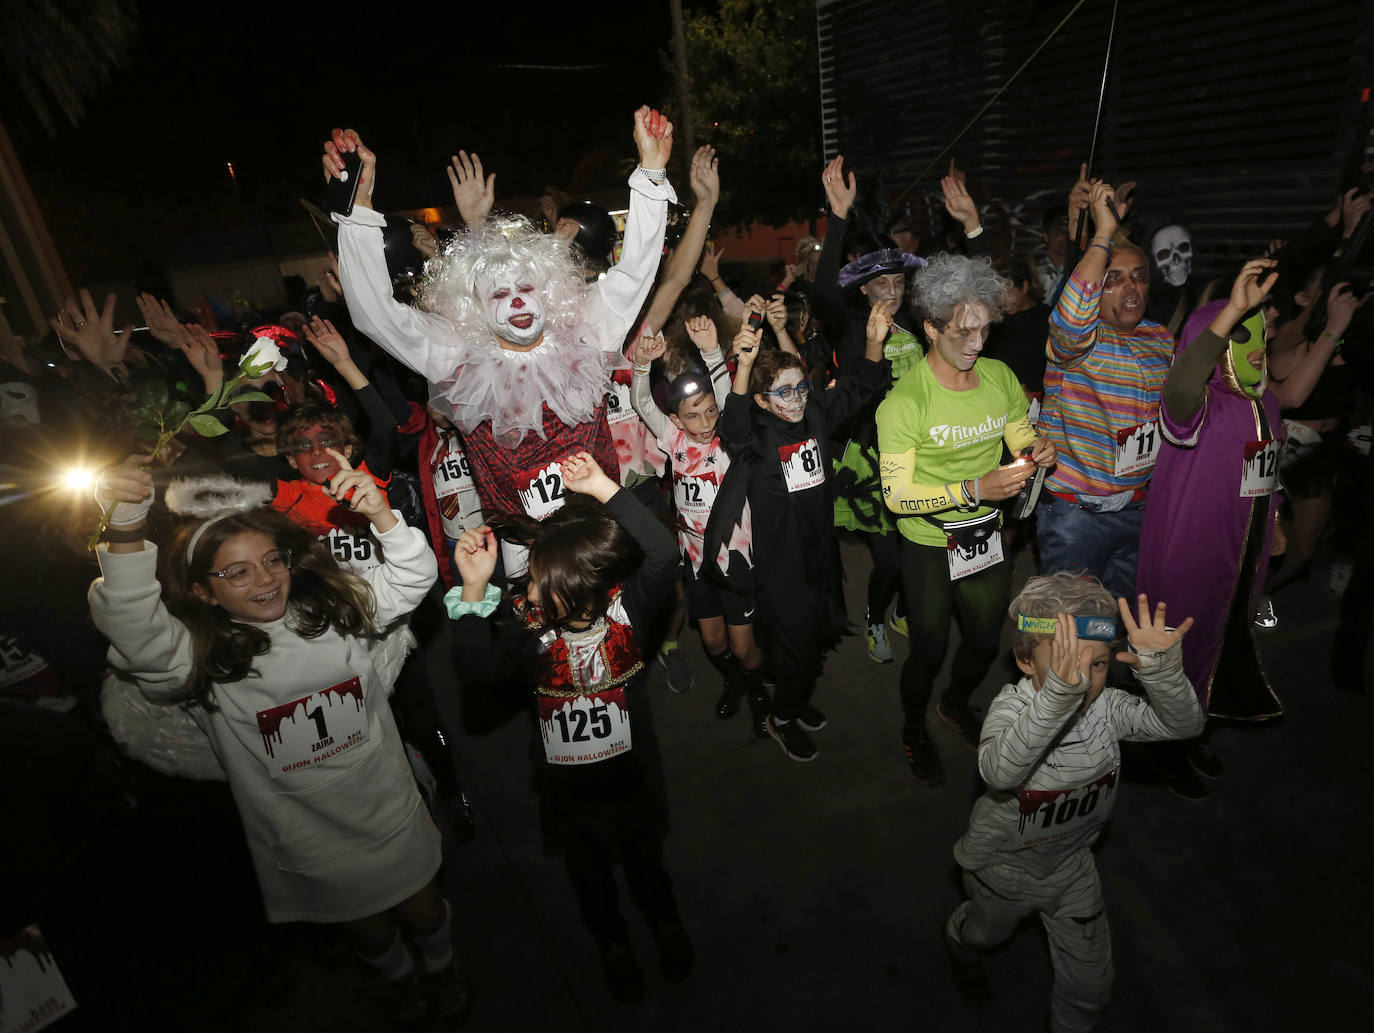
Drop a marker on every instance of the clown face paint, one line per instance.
(1172, 250)
(514, 312)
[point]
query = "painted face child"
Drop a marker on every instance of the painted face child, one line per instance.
(787, 396)
(307, 452)
(696, 410)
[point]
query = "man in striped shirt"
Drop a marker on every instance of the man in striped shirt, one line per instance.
(1106, 367)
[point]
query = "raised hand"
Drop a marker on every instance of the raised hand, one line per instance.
(1252, 286)
(958, 201)
(710, 261)
(126, 491)
(327, 340)
(473, 196)
(423, 240)
(1069, 661)
(91, 332)
(653, 138)
(745, 347)
(162, 321)
(347, 141)
(702, 330)
(704, 176)
(648, 348)
(357, 490)
(1079, 195)
(839, 194)
(1340, 309)
(1148, 635)
(879, 323)
(475, 555)
(202, 352)
(775, 311)
(1354, 205)
(1104, 222)
(583, 476)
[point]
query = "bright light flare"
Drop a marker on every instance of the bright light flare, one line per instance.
(78, 479)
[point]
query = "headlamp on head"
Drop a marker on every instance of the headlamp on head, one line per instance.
(1091, 629)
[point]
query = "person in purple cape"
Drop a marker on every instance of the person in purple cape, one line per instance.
(1209, 521)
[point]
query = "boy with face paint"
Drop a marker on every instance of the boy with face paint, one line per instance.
(1210, 518)
(687, 436)
(518, 351)
(1050, 760)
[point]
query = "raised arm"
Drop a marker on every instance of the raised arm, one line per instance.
(379, 451)
(1298, 385)
(473, 195)
(626, 284)
(704, 334)
(641, 398)
(829, 300)
(961, 206)
(423, 341)
(1073, 323)
(1172, 710)
(705, 180)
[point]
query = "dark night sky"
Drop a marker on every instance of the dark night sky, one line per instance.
(262, 83)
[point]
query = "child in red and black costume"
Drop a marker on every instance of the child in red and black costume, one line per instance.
(596, 578)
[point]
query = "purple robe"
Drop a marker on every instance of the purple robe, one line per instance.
(1196, 523)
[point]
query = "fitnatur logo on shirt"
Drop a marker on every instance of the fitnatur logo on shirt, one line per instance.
(960, 435)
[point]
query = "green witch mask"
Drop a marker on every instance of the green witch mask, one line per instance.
(1247, 339)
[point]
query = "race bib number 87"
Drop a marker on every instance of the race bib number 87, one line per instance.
(801, 465)
(585, 729)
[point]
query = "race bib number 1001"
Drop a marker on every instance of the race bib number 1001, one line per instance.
(584, 729)
(543, 491)
(304, 732)
(1259, 469)
(801, 465)
(1137, 448)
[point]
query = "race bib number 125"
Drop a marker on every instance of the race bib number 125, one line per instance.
(584, 729)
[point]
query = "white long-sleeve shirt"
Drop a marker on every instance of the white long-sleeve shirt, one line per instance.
(334, 823)
(1051, 777)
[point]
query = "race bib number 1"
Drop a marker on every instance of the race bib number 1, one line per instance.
(1050, 814)
(303, 733)
(1259, 469)
(801, 465)
(543, 493)
(584, 729)
(1136, 448)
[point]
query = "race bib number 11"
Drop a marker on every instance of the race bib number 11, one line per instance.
(1136, 448)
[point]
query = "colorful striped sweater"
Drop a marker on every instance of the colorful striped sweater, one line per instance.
(1099, 380)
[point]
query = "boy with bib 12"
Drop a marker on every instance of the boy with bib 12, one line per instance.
(1050, 759)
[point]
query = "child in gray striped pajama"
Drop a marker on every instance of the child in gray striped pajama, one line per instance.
(1050, 760)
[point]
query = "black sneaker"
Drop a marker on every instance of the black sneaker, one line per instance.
(624, 979)
(963, 719)
(728, 704)
(409, 1003)
(1205, 762)
(811, 719)
(923, 759)
(452, 992)
(794, 742)
(675, 954)
(759, 709)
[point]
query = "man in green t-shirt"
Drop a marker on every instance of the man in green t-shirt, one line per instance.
(941, 432)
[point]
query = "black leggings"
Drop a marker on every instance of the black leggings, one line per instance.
(886, 577)
(980, 601)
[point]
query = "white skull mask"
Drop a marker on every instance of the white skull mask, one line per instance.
(1172, 250)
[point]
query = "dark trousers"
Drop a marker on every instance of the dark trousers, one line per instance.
(796, 627)
(980, 602)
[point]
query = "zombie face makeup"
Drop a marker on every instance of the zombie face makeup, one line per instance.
(513, 310)
(961, 341)
(887, 287)
(1171, 248)
(1125, 289)
(787, 397)
(697, 416)
(306, 453)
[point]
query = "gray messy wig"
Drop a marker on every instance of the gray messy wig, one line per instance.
(949, 281)
(500, 248)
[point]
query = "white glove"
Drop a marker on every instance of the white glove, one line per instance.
(124, 514)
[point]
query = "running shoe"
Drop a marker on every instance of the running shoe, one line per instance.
(923, 759)
(811, 719)
(679, 674)
(793, 740)
(878, 649)
(897, 622)
(759, 709)
(963, 719)
(1265, 617)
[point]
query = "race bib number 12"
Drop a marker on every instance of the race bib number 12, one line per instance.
(801, 465)
(543, 493)
(1136, 448)
(584, 729)
(1259, 469)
